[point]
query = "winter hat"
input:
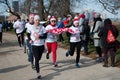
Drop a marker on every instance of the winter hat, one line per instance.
(31, 15)
(82, 15)
(36, 17)
(52, 18)
(76, 20)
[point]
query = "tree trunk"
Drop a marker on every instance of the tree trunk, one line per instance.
(41, 9)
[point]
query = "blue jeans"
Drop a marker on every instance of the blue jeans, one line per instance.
(30, 55)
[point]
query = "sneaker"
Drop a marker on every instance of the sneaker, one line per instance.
(33, 67)
(67, 53)
(55, 64)
(100, 59)
(47, 56)
(105, 65)
(39, 77)
(77, 65)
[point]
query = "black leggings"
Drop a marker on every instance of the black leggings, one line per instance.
(72, 50)
(20, 37)
(99, 51)
(37, 53)
(1, 37)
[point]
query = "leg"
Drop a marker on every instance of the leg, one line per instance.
(99, 51)
(105, 50)
(22, 38)
(61, 37)
(78, 52)
(85, 45)
(54, 55)
(112, 56)
(35, 50)
(19, 41)
(72, 49)
(48, 45)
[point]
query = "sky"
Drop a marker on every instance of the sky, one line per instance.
(91, 4)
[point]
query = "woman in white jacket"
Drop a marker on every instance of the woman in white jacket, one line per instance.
(95, 30)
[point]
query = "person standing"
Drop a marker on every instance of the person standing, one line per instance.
(1, 32)
(60, 26)
(51, 41)
(27, 27)
(75, 41)
(108, 46)
(19, 29)
(95, 30)
(85, 35)
(37, 40)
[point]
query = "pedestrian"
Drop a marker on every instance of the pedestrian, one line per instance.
(1, 32)
(108, 46)
(85, 35)
(19, 30)
(75, 41)
(68, 23)
(81, 20)
(28, 26)
(37, 40)
(51, 41)
(60, 26)
(95, 30)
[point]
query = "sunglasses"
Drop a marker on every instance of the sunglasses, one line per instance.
(53, 21)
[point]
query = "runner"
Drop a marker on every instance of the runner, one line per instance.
(37, 36)
(28, 26)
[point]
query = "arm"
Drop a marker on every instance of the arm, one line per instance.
(28, 35)
(44, 36)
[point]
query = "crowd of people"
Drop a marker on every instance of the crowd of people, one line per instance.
(78, 32)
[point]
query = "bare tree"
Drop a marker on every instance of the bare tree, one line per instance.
(41, 9)
(26, 7)
(6, 2)
(110, 5)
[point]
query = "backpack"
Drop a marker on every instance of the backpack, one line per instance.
(110, 37)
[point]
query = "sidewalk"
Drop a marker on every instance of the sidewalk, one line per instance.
(14, 65)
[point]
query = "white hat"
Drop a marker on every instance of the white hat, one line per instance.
(75, 20)
(31, 15)
(36, 17)
(53, 18)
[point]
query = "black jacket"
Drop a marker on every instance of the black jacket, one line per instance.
(103, 35)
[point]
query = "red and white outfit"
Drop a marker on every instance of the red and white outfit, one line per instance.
(51, 42)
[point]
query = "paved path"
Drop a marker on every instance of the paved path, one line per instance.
(14, 65)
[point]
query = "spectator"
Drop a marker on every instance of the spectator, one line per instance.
(85, 35)
(60, 25)
(96, 28)
(108, 47)
(1, 32)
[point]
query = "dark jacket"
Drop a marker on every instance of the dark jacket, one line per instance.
(103, 35)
